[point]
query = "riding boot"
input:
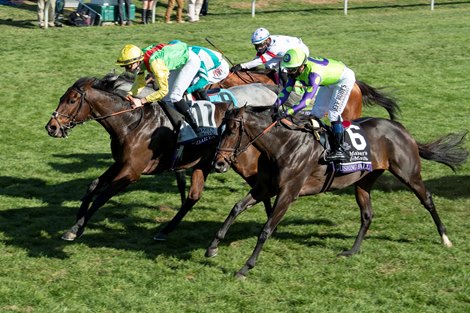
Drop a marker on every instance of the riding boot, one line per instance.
(149, 17)
(337, 153)
(183, 107)
(144, 16)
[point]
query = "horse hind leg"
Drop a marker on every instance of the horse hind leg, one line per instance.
(426, 200)
(416, 184)
(198, 179)
(362, 192)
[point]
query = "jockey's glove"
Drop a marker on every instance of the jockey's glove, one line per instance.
(236, 68)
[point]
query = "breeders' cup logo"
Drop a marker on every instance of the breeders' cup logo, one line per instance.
(286, 58)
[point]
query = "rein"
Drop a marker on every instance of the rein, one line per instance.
(72, 118)
(237, 150)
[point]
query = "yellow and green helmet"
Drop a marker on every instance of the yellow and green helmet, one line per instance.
(129, 54)
(293, 58)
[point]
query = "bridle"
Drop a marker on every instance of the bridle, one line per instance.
(237, 150)
(73, 118)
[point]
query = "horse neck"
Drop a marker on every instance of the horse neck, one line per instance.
(103, 104)
(255, 124)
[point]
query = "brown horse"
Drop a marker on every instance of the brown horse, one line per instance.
(289, 168)
(142, 142)
(361, 94)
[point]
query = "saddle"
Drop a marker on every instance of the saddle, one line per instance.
(355, 142)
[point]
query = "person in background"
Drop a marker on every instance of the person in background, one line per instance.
(147, 7)
(174, 67)
(269, 51)
(124, 12)
(204, 8)
(337, 81)
(179, 11)
(51, 13)
(194, 8)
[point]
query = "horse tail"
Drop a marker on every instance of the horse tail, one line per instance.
(371, 95)
(447, 150)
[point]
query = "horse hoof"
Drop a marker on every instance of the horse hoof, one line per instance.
(69, 236)
(160, 237)
(240, 276)
(211, 252)
(445, 241)
(346, 253)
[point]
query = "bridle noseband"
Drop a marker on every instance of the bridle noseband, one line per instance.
(236, 151)
(72, 118)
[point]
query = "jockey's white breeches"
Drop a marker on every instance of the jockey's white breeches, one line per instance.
(180, 79)
(333, 98)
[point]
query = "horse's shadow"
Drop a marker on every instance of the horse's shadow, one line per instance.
(41, 237)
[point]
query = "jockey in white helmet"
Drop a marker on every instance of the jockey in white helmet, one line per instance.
(270, 50)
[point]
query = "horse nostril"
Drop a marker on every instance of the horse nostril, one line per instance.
(220, 167)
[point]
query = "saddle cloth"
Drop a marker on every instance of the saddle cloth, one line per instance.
(203, 112)
(355, 143)
(222, 95)
(357, 149)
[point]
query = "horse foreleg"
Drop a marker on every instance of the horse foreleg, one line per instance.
(94, 187)
(195, 192)
(111, 189)
(239, 207)
(281, 205)
(181, 182)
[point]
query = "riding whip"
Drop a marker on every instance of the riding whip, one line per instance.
(223, 54)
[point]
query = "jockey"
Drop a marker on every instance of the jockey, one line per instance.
(174, 67)
(337, 81)
(270, 50)
(213, 69)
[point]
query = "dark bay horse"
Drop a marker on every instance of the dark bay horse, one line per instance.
(290, 166)
(142, 142)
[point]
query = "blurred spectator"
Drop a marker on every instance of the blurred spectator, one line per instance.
(147, 8)
(205, 8)
(124, 11)
(179, 11)
(42, 11)
(194, 7)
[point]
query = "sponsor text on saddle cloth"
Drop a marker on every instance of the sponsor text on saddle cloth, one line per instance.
(203, 112)
(357, 150)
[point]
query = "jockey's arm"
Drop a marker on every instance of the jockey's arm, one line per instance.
(161, 72)
(260, 59)
(285, 92)
(314, 81)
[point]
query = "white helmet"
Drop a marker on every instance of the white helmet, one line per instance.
(259, 35)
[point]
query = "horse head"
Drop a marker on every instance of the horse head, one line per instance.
(229, 146)
(72, 109)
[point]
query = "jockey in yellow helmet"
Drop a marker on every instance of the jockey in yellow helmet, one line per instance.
(337, 81)
(174, 67)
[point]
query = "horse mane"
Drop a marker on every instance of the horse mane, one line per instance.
(259, 109)
(110, 82)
